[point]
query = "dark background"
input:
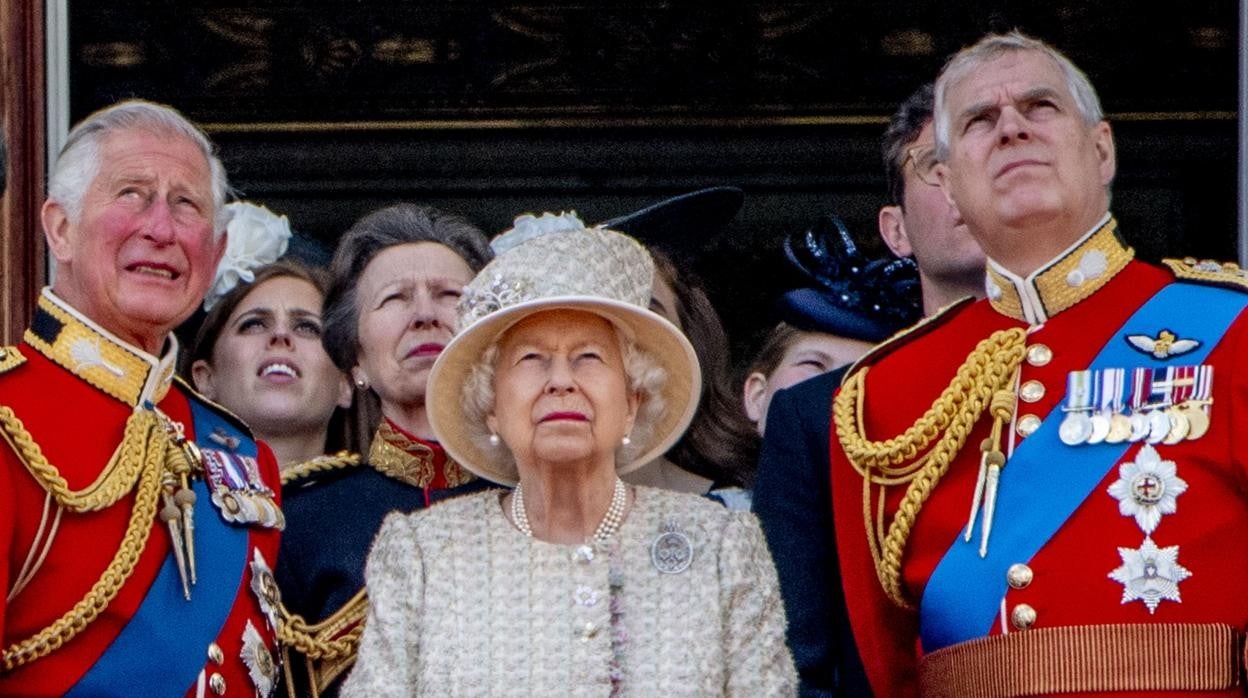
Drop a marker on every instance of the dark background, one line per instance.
(325, 110)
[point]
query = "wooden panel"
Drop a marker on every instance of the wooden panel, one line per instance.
(21, 237)
(325, 109)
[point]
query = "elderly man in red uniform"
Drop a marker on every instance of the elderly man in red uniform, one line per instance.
(137, 522)
(1040, 492)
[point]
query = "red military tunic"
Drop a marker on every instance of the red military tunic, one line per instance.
(73, 386)
(1079, 576)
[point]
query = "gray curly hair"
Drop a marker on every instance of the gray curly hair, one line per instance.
(645, 375)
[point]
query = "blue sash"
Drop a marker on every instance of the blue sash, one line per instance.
(164, 645)
(962, 598)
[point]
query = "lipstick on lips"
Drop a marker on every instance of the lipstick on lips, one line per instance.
(426, 349)
(565, 417)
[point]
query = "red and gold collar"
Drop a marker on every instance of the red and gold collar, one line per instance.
(97, 356)
(1077, 273)
(417, 462)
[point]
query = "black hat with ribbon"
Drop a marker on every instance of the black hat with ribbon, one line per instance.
(848, 294)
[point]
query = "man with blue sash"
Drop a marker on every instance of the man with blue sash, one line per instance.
(138, 522)
(1039, 492)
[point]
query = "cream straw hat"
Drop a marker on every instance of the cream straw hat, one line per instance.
(549, 263)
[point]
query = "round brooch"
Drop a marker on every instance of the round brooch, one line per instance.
(671, 552)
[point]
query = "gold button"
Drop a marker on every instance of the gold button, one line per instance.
(1039, 354)
(215, 655)
(217, 683)
(1031, 391)
(1019, 575)
(1023, 616)
(1028, 424)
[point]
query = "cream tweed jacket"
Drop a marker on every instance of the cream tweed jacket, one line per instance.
(463, 604)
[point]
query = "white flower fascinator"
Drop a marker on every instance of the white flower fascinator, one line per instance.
(528, 226)
(257, 237)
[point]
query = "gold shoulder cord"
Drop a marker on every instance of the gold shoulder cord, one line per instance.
(298, 471)
(142, 457)
(920, 455)
(328, 651)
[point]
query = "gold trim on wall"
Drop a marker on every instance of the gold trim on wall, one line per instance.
(590, 122)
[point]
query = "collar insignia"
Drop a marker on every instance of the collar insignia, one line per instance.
(394, 454)
(90, 352)
(1073, 276)
(1166, 345)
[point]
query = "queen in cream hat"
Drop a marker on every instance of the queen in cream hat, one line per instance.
(573, 583)
(553, 263)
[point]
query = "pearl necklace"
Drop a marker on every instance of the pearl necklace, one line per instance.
(606, 528)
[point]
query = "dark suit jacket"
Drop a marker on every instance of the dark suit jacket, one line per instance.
(793, 499)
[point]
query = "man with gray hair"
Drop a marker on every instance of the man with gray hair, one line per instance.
(1036, 493)
(137, 520)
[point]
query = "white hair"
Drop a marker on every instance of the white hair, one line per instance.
(992, 47)
(645, 375)
(79, 161)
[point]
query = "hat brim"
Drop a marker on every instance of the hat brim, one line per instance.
(681, 390)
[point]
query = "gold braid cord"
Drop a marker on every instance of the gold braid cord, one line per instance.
(141, 455)
(921, 455)
(114, 482)
(298, 471)
(329, 647)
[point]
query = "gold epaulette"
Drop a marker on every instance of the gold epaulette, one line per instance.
(320, 464)
(329, 647)
(10, 358)
(1208, 271)
(907, 335)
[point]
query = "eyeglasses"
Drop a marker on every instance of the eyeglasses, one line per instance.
(924, 159)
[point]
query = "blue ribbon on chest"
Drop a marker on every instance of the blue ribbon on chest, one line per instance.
(963, 596)
(164, 645)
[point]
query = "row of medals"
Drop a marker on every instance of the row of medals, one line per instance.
(1160, 424)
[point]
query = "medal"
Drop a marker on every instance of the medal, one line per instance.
(1119, 429)
(1178, 426)
(1141, 387)
(1158, 426)
(1100, 428)
(1076, 427)
(1194, 409)
(1197, 420)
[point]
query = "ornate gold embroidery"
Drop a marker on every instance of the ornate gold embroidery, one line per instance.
(394, 454)
(1076, 276)
(1228, 274)
(10, 358)
(116, 369)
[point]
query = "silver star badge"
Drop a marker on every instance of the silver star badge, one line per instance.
(1150, 574)
(1147, 488)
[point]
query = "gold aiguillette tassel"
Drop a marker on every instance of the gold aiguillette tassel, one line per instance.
(185, 499)
(172, 517)
(978, 497)
(995, 460)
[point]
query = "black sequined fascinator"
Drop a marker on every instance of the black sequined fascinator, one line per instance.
(849, 295)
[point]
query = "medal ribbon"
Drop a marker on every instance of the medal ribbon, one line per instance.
(962, 598)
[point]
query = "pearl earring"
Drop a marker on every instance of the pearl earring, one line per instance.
(494, 440)
(361, 383)
(626, 441)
